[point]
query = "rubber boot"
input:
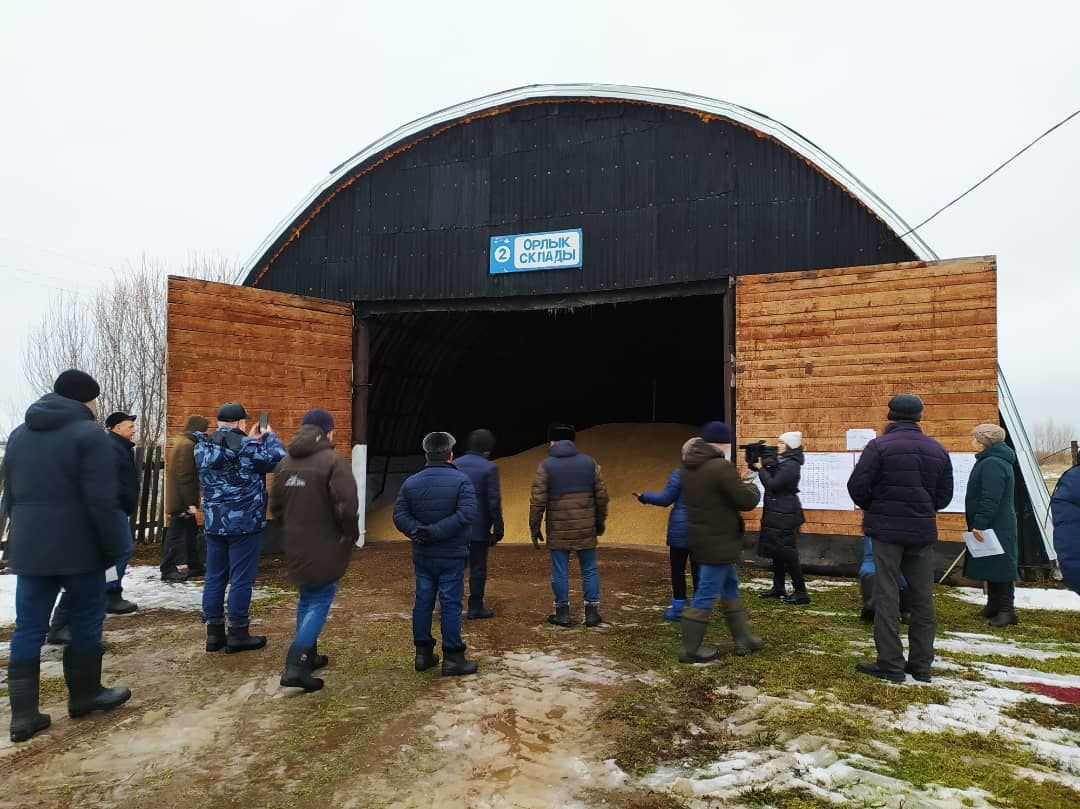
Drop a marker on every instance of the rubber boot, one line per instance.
(116, 605)
(240, 640)
(561, 616)
(1006, 614)
(425, 657)
(455, 665)
(215, 637)
(592, 615)
(24, 681)
(82, 673)
(694, 624)
(477, 611)
(735, 615)
(674, 612)
(317, 660)
(297, 672)
(992, 598)
(59, 631)
(866, 587)
(797, 598)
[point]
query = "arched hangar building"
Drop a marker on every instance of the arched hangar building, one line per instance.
(602, 254)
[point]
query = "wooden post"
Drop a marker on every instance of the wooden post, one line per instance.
(361, 386)
(1075, 450)
(151, 512)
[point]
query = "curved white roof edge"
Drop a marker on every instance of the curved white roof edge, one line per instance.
(1040, 498)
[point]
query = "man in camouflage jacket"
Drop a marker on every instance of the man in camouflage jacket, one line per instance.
(232, 467)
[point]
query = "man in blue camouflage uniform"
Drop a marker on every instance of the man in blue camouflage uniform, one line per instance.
(232, 464)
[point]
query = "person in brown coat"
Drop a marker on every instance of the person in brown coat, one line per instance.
(715, 495)
(181, 504)
(569, 488)
(314, 499)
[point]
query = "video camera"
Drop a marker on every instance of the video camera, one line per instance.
(758, 452)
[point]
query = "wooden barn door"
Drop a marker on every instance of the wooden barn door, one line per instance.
(823, 352)
(272, 352)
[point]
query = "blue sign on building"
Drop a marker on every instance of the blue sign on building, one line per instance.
(557, 250)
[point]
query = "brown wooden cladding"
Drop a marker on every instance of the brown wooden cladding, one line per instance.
(824, 351)
(273, 352)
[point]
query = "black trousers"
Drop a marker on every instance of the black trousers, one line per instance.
(786, 560)
(478, 558)
(678, 558)
(182, 544)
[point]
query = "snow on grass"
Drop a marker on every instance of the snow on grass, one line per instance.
(975, 643)
(1027, 598)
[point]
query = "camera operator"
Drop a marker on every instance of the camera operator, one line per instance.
(779, 469)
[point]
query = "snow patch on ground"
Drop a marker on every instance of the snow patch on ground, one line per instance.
(978, 644)
(1027, 598)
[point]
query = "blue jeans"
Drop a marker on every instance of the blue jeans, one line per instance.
(34, 598)
(715, 581)
(232, 560)
(122, 562)
(311, 612)
(446, 579)
(560, 573)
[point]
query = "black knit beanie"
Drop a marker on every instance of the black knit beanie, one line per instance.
(77, 385)
(905, 407)
(561, 432)
(481, 441)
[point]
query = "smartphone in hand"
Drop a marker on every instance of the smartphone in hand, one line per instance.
(264, 422)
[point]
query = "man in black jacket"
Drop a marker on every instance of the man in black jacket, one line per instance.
(901, 481)
(65, 532)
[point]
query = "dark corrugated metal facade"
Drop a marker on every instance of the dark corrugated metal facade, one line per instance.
(663, 196)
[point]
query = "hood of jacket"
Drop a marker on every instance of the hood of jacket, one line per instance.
(999, 450)
(308, 440)
(52, 411)
(701, 453)
(563, 449)
(797, 455)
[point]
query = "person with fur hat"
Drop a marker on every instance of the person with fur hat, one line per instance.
(781, 517)
(715, 496)
(487, 529)
(988, 505)
(678, 550)
(66, 530)
(315, 501)
(181, 545)
(233, 463)
(569, 489)
(436, 509)
(903, 478)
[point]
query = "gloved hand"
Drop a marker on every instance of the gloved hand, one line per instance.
(421, 535)
(497, 535)
(770, 462)
(537, 538)
(600, 528)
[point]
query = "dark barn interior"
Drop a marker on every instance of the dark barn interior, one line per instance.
(516, 371)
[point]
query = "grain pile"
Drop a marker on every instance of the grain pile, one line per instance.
(633, 457)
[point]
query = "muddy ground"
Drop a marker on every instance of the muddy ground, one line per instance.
(577, 718)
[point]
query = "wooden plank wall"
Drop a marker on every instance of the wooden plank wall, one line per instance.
(273, 352)
(824, 351)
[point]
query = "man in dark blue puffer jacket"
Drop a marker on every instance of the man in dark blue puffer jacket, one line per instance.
(1065, 507)
(435, 510)
(901, 481)
(487, 529)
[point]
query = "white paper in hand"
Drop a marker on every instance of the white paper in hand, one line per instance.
(111, 575)
(990, 546)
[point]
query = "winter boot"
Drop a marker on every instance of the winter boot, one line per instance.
(773, 592)
(1006, 614)
(240, 640)
(317, 660)
(477, 611)
(23, 684)
(215, 637)
(455, 665)
(116, 605)
(425, 657)
(797, 598)
(694, 624)
(82, 673)
(297, 672)
(592, 614)
(674, 612)
(561, 616)
(735, 615)
(59, 631)
(866, 588)
(992, 598)
(874, 669)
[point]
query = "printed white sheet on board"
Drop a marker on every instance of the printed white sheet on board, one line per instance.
(962, 463)
(857, 439)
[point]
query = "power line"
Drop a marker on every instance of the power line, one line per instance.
(56, 253)
(948, 205)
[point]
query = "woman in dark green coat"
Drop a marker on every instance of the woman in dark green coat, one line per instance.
(989, 505)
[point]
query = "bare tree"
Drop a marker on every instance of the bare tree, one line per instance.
(1051, 438)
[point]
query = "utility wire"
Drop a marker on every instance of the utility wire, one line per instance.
(945, 207)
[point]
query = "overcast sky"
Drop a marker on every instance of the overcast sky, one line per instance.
(167, 129)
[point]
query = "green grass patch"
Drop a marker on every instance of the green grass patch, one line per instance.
(1055, 717)
(51, 689)
(784, 799)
